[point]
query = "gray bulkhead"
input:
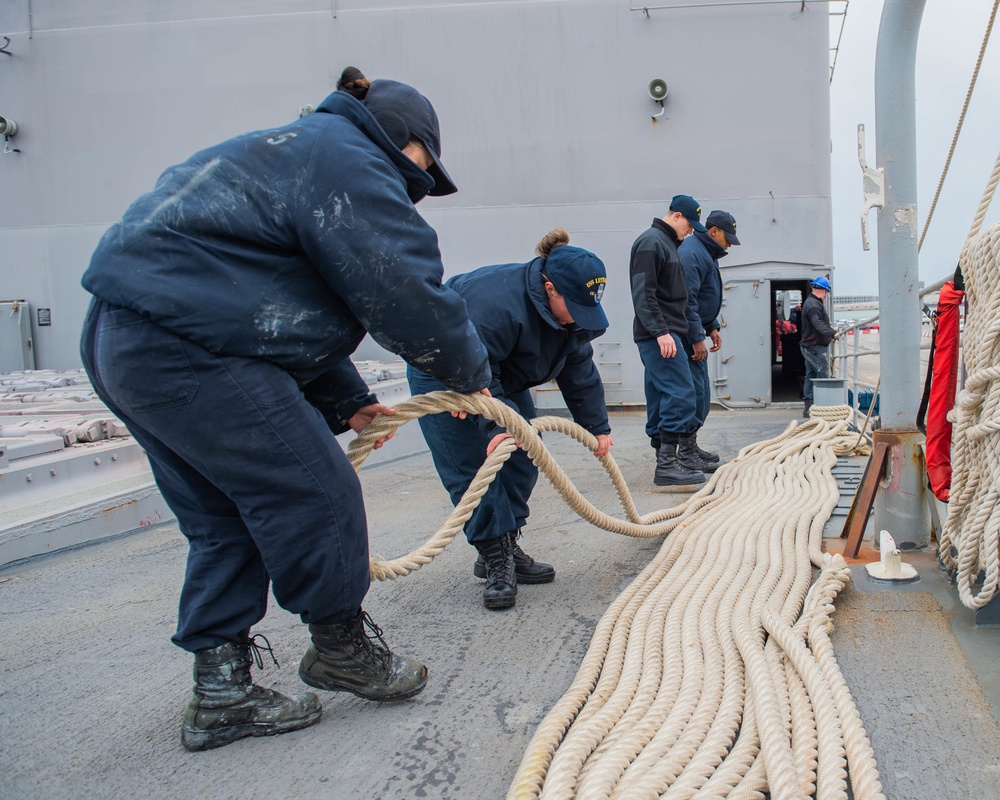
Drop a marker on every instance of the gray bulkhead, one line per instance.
(546, 122)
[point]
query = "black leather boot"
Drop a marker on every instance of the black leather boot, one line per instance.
(806, 405)
(226, 704)
(670, 471)
(525, 567)
(353, 657)
(705, 455)
(500, 590)
(687, 454)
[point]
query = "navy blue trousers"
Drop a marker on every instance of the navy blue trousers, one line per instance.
(817, 358)
(261, 488)
(702, 389)
(670, 392)
(458, 448)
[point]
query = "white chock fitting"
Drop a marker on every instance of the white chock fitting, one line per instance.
(890, 567)
(7, 127)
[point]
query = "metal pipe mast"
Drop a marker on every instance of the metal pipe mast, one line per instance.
(901, 504)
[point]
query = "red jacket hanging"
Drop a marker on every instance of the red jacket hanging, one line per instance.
(942, 396)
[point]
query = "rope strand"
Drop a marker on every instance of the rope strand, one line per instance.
(961, 121)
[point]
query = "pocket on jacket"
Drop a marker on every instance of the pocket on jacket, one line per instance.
(142, 365)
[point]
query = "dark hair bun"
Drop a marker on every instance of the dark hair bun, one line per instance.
(353, 81)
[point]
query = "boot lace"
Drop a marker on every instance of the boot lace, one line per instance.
(496, 562)
(255, 650)
(368, 637)
(515, 548)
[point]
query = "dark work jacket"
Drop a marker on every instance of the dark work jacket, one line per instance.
(288, 245)
(700, 256)
(659, 294)
(816, 329)
(526, 344)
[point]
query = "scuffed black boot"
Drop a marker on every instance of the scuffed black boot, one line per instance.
(670, 471)
(354, 657)
(500, 590)
(525, 567)
(687, 455)
(227, 705)
(806, 405)
(705, 455)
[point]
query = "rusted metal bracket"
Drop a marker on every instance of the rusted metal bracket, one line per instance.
(864, 499)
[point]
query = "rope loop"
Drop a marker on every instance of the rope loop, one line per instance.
(831, 420)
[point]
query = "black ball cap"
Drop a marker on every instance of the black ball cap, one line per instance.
(725, 222)
(397, 100)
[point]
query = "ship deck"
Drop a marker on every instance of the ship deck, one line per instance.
(92, 689)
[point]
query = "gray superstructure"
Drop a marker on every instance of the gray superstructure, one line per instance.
(546, 117)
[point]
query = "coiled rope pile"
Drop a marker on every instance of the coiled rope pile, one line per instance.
(712, 675)
(970, 542)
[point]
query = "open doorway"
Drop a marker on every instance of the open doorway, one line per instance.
(787, 367)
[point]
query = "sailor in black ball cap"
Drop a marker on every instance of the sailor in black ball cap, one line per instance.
(700, 254)
(659, 296)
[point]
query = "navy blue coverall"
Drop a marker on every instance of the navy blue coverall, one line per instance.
(227, 302)
(527, 347)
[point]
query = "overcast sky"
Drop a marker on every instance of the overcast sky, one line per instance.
(951, 33)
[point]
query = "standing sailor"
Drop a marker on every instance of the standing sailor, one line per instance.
(817, 333)
(659, 296)
(700, 256)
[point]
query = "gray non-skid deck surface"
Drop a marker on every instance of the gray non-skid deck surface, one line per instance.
(91, 690)
(927, 717)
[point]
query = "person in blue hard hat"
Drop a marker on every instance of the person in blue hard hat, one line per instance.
(817, 333)
(700, 254)
(660, 300)
(226, 305)
(537, 321)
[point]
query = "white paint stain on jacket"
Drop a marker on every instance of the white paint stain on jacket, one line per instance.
(271, 319)
(199, 178)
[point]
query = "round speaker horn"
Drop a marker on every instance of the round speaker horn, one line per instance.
(658, 89)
